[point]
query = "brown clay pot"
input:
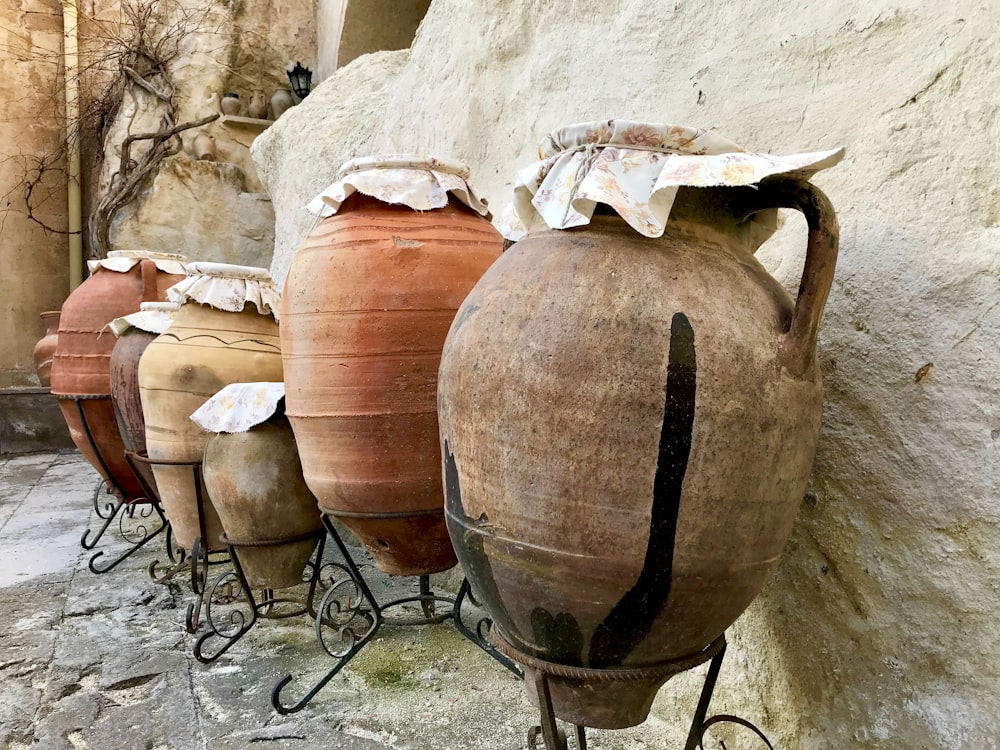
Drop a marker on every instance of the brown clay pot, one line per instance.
(628, 426)
(367, 304)
(125, 390)
(255, 481)
(204, 350)
(46, 347)
(81, 366)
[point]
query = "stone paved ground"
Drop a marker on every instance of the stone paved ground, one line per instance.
(103, 662)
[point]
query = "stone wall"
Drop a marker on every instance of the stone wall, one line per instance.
(35, 273)
(877, 630)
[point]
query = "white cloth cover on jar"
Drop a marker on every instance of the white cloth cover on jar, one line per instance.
(122, 261)
(636, 169)
(417, 181)
(239, 406)
(153, 317)
(228, 287)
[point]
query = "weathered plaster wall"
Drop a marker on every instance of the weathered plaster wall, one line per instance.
(878, 629)
(35, 273)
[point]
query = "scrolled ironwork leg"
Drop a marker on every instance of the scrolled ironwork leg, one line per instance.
(102, 484)
(89, 544)
(145, 537)
(477, 635)
(234, 624)
(350, 611)
(700, 724)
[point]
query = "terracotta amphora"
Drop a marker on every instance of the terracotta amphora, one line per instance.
(46, 347)
(254, 478)
(81, 366)
(367, 303)
(205, 348)
(135, 332)
(628, 424)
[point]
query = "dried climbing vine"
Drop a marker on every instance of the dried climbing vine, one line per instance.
(131, 56)
(140, 65)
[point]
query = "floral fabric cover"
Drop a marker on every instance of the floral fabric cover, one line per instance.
(228, 287)
(239, 406)
(636, 168)
(153, 317)
(419, 182)
(122, 261)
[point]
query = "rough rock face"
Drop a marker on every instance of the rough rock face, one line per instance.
(303, 158)
(223, 222)
(225, 47)
(877, 630)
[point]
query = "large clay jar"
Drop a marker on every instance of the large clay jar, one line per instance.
(223, 332)
(81, 367)
(135, 332)
(254, 477)
(46, 347)
(628, 422)
(366, 307)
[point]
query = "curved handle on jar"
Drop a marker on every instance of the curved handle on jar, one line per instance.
(147, 270)
(799, 344)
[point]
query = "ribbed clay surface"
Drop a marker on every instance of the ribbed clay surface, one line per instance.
(204, 350)
(81, 365)
(367, 305)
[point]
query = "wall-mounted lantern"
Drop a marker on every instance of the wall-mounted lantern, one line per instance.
(301, 80)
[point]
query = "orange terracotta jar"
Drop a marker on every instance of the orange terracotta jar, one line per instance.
(366, 307)
(81, 366)
(46, 347)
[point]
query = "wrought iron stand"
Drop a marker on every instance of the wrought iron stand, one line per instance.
(232, 588)
(201, 557)
(353, 616)
(123, 508)
(554, 738)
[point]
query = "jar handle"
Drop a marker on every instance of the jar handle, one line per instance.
(799, 344)
(147, 270)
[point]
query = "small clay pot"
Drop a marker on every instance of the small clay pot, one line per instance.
(255, 481)
(204, 147)
(230, 103)
(258, 106)
(281, 101)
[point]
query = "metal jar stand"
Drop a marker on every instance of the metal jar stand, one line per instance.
(121, 508)
(349, 616)
(201, 557)
(233, 589)
(554, 738)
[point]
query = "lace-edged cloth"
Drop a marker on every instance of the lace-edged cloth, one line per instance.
(419, 182)
(239, 406)
(153, 317)
(228, 287)
(636, 168)
(122, 261)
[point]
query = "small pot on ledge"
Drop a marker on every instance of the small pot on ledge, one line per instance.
(230, 103)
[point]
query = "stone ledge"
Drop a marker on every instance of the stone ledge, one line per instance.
(30, 421)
